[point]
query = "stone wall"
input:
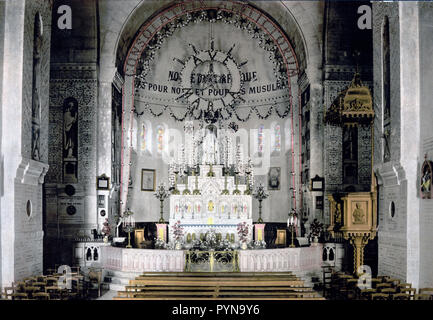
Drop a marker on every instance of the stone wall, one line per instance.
(426, 136)
(2, 38)
(74, 74)
(392, 230)
(21, 214)
(28, 189)
(402, 236)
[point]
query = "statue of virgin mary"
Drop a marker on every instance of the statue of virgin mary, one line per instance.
(210, 146)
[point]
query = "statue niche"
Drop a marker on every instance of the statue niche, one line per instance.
(70, 140)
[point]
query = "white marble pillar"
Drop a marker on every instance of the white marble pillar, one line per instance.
(11, 127)
(410, 130)
(104, 137)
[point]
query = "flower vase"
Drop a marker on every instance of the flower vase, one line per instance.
(178, 245)
(106, 239)
(244, 246)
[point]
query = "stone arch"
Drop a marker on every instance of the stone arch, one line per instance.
(126, 57)
(298, 18)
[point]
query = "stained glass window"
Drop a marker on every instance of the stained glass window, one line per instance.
(143, 137)
(277, 138)
(260, 139)
(160, 138)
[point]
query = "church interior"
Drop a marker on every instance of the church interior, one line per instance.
(186, 150)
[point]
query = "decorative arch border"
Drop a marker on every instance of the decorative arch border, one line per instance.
(146, 35)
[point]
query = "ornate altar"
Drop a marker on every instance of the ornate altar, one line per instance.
(212, 208)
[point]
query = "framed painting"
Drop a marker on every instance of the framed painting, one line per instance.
(148, 180)
(281, 237)
(274, 178)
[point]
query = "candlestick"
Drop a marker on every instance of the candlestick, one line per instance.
(210, 173)
(186, 191)
(196, 191)
(161, 194)
(236, 191)
(225, 191)
(128, 225)
(175, 191)
(260, 195)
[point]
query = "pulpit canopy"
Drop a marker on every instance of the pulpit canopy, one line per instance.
(353, 104)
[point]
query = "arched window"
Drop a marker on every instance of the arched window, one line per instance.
(386, 90)
(146, 137)
(134, 133)
(276, 138)
(288, 135)
(143, 137)
(260, 138)
(160, 134)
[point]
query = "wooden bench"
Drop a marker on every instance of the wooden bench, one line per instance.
(212, 286)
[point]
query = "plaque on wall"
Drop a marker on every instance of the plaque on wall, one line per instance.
(317, 183)
(102, 182)
(425, 187)
(71, 209)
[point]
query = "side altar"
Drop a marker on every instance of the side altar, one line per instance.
(211, 201)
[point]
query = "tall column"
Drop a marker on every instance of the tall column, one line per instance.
(12, 101)
(104, 141)
(410, 129)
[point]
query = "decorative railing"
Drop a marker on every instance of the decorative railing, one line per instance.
(264, 260)
(281, 260)
(211, 261)
(143, 260)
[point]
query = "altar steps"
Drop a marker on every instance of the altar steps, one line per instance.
(216, 286)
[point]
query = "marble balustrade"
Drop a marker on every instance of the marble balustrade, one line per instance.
(266, 260)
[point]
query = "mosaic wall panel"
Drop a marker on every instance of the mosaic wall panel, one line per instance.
(85, 91)
(364, 155)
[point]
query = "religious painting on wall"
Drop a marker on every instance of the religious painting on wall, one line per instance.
(148, 180)
(274, 178)
(426, 180)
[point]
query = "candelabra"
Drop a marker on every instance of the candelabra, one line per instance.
(236, 191)
(196, 190)
(248, 173)
(176, 172)
(186, 191)
(225, 191)
(162, 194)
(210, 173)
(260, 195)
(128, 225)
(291, 223)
